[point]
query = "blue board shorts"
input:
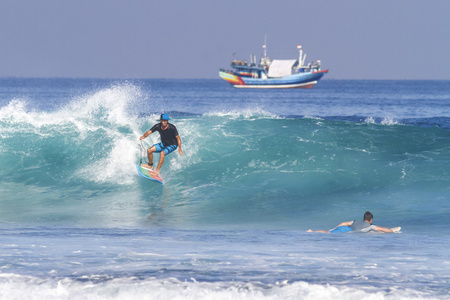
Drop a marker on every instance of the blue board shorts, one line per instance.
(341, 229)
(169, 149)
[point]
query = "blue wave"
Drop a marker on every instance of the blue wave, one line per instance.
(76, 165)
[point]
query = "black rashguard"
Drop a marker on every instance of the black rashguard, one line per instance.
(168, 135)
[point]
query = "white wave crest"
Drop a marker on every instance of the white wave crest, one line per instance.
(388, 121)
(105, 117)
(104, 287)
(248, 113)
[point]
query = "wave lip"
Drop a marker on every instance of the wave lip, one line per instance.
(96, 134)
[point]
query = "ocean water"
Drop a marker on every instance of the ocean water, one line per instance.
(259, 169)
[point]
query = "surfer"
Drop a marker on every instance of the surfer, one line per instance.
(362, 226)
(170, 141)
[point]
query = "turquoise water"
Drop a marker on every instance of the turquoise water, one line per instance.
(260, 168)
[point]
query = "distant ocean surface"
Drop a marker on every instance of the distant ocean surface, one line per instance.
(260, 168)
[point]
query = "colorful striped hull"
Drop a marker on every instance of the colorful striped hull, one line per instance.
(304, 80)
(231, 78)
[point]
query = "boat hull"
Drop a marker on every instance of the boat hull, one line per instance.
(306, 85)
(304, 80)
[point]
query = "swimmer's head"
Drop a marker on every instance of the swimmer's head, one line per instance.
(368, 216)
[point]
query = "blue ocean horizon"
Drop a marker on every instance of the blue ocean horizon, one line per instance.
(260, 168)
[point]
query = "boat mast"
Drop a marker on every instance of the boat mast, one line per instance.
(265, 61)
(301, 58)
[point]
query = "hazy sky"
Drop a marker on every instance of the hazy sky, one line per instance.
(355, 39)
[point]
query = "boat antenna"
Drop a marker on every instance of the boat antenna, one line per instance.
(265, 46)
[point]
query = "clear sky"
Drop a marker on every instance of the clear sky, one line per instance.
(354, 39)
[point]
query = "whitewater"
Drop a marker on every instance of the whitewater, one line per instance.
(259, 169)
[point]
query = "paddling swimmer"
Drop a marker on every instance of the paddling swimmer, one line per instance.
(170, 141)
(362, 226)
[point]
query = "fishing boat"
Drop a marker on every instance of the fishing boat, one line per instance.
(276, 73)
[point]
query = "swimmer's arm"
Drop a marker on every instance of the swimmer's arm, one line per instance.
(383, 229)
(343, 224)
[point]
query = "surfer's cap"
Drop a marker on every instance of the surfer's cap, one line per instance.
(165, 117)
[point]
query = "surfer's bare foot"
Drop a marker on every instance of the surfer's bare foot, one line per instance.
(146, 166)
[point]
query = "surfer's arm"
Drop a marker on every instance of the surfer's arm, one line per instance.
(179, 144)
(146, 134)
(383, 229)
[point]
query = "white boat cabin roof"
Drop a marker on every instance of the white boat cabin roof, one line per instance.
(281, 67)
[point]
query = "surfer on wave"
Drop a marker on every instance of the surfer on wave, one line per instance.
(361, 226)
(170, 141)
